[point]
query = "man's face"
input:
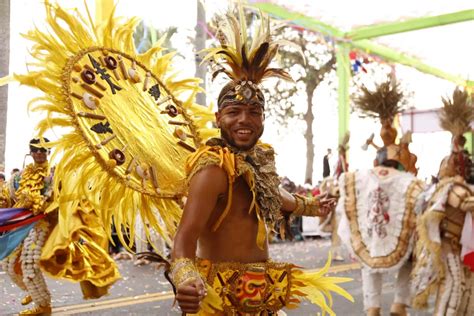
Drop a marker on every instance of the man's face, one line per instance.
(40, 155)
(241, 125)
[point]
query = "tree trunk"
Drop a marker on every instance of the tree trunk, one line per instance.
(313, 79)
(200, 44)
(308, 135)
(4, 70)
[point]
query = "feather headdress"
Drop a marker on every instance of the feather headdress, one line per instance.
(383, 102)
(456, 116)
(246, 61)
(457, 113)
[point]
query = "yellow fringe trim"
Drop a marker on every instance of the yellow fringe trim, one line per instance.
(434, 218)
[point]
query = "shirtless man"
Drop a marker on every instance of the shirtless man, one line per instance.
(234, 240)
(220, 261)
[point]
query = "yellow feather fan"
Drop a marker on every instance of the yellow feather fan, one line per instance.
(129, 133)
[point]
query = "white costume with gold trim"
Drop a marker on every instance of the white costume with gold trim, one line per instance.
(378, 219)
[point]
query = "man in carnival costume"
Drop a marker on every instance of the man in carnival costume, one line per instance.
(35, 194)
(32, 242)
(378, 207)
(127, 158)
(220, 254)
(445, 246)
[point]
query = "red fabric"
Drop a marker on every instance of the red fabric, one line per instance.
(24, 213)
(469, 260)
(21, 223)
(316, 191)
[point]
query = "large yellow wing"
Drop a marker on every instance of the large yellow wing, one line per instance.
(129, 132)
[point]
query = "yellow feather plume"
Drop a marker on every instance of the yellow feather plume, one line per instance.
(317, 287)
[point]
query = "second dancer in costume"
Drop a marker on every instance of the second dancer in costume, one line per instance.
(378, 207)
(445, 246)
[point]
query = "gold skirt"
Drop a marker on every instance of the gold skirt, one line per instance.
(77, 251)
(264, 288)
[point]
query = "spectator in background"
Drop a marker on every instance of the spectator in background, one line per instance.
(14, 182)
(326, 168)
(5, 200)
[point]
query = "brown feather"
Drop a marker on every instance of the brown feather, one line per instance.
(257, 60)
(457, 113)
(267, 59)
(222, 70)
(245, 61)
(277, 72)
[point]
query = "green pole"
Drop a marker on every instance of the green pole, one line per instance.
(402, 58)
(378, 30)
(299, 19)
(409, 25)
(344, 74)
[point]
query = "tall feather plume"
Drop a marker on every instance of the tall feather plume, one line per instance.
(244, 58)
(383, 102)
(457, 113)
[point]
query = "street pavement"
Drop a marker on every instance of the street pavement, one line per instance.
(144, 291)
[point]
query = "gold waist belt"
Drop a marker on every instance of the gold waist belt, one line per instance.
(251, 287)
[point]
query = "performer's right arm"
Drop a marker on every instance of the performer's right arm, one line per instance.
(204, 189)
(299, 205)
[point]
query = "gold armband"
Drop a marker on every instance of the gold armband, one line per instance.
(183, 270)
(306, 206)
